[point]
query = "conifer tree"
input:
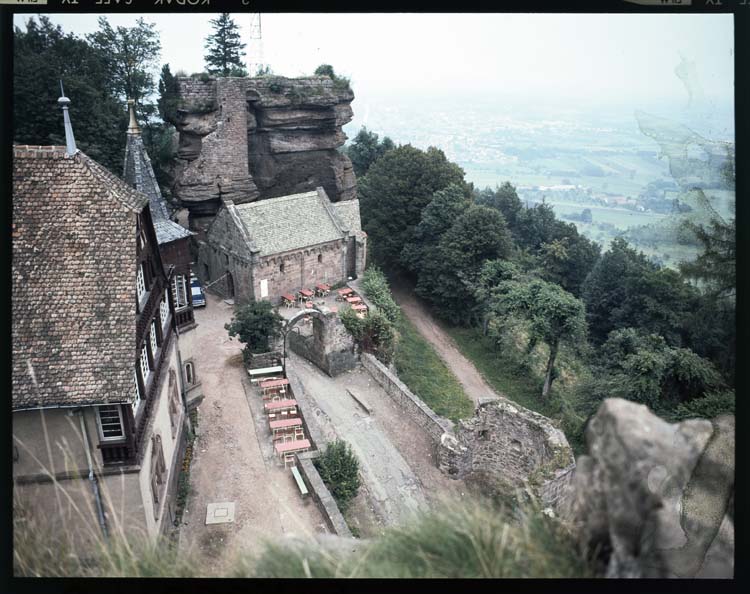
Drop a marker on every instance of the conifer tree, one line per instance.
(225, 49)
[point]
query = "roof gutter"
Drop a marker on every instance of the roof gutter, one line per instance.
(92, 476)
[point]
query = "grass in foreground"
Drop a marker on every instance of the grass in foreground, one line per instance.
(466, 540)
(425, 373)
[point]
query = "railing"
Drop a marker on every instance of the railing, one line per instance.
(117, 453)
(184, 317)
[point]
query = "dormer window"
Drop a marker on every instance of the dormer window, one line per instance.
(179, 291)
(140, 283)
(110, 422)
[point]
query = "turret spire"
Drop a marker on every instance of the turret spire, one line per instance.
(70, 141)
(133, 125)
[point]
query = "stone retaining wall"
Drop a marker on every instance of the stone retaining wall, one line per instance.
(321, 495)
(423, 415)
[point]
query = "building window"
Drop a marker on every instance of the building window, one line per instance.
(189, 373)
(137, 393)
(179, 291)
(145, 368)
(154, 344)
(158, 472)
(281, 267)
(320, 258)
(140, 283)
(164, 310)
(110, 422)
(174, 402)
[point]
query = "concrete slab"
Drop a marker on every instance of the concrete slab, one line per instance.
(220, 513)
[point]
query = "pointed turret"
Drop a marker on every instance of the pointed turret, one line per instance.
(70, 141)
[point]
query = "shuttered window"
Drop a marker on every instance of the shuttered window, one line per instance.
(110, 422)
(152, 336)
(137, 393)
(164, 310)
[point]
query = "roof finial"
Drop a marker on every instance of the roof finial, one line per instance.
(133, 125)
(70, 141)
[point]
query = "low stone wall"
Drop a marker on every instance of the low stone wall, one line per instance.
(307, 410)
(321, 495)
(556, 491)
(423, 415)
(261, 360)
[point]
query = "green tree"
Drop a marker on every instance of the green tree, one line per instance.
(716, 266)
(446, 206)
(375, 287)
(365, 149)
(131, 55)
(325, 70)
(255, 324)
(374, 333)
(339, 469)
(447, 273)
(552, 315)
(42, 56)
(225, 48)
(568, 261)
(395, 190)
(625, 289)
(505, 199)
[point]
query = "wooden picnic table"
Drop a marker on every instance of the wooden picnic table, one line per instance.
(359, 307)
(297, 445)
(273, 383)
(323, 287)
(288, 299)
(345, 291)
(281, 404)
(354, 299)
(285, 423)
(306, 293)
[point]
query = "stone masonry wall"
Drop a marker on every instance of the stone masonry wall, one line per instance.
(435, 425)
(504, 447)
(302, 269)
(331, 347)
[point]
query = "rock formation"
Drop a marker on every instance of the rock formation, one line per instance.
(251, 138)
(654, 499)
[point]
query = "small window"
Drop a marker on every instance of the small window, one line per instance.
(189, 373)
(137, 393)
(140, 283)
(145, 368)
(281, 267)
(164, 310)
(320, 258)
(152, 336)
(110, 422)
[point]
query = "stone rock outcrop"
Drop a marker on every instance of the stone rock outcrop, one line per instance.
(654, 498)
(251, 138)
(504, 447)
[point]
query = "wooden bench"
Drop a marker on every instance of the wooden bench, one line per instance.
(300, 483)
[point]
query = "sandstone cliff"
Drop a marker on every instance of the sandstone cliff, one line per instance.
(251, 138)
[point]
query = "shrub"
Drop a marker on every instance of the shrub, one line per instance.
(709, 406)
(339, 469)
(275, 87)
(325, 70)
(255, 324)
(374, 333)
(375, 287)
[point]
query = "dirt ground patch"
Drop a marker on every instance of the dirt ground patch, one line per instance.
(233, 459)
(472, 381)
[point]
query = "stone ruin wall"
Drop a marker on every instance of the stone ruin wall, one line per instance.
(253, 138)
(504, 447)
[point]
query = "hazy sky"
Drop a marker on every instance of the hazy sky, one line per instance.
(596, 59)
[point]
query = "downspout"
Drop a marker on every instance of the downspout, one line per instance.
(92, 477)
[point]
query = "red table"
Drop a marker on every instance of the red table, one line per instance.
(323, 288)
(306, 293)
(359, 307)
(274, 383)
(354, 299)
(285, 423)
(298, 445)
(280, 405)
(345, 291)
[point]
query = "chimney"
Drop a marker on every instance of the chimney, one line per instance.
(70, 141)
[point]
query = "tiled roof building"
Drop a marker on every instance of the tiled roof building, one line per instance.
(271, 247)
(74, 265)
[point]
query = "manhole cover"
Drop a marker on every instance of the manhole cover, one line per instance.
(220, 513)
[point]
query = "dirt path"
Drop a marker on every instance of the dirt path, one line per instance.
(472, 381)
(233, 459)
